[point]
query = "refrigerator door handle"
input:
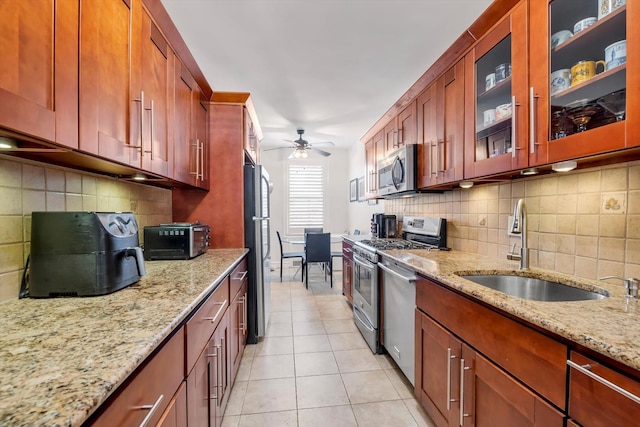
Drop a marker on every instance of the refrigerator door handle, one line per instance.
(261, 218)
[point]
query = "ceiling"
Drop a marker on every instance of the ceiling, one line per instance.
(331, 67)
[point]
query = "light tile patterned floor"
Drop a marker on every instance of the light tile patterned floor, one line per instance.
(313, 368)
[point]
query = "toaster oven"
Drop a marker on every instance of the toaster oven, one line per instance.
(177, 240)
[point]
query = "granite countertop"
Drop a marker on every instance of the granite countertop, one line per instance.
(61, 358)
(609, 326)
(352, 238)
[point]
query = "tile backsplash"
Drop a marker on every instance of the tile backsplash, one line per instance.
(27, 186)
(584, 223)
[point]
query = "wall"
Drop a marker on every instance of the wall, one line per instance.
(27, 186)
(337, 193)
(585, 223)
(360, 212)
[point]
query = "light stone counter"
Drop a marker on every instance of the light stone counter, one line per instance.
(609, 326)
(61, 358)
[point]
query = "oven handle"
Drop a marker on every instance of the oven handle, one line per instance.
(364, 323)
(395, 273)
(363, 262)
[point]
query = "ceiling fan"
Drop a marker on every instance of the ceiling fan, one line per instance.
(301, 147)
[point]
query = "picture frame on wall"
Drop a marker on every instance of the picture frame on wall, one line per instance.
(353, 190)
(361, 189)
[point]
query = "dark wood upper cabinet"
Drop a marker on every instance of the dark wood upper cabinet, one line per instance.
(106, 101)
(39, 77)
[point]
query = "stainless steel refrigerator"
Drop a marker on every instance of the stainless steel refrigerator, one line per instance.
(257, 239)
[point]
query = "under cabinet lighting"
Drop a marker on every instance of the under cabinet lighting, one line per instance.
(529, 171)
(138, 177)
(7, 143)
(466, 184)
(567, 166)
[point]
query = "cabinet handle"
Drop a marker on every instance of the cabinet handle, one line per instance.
(223, 359)
(215, 387)
(141, 101)
(449, 358)
(514, 134)
(197, 172)
(436, 169)
(438, 160)
(201, 160)
(242, 276)
(213, 319)
(462, 369)
(150, 109)
(586, 369)
(151, 409)
(241, 326)
(244, 306)
(532, 120)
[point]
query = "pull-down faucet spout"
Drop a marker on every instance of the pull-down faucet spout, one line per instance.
(520, 227)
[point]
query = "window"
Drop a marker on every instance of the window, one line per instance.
(306, 197)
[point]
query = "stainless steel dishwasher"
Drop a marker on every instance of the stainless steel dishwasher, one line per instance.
(399, 296)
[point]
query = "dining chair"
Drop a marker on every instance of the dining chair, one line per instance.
(317, 249)
(312, 230)
(284, 255)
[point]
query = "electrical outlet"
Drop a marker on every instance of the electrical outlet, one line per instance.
(510, 227)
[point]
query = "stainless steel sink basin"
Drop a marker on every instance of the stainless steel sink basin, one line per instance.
(533, 289)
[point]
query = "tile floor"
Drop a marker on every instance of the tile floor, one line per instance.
(313, 368)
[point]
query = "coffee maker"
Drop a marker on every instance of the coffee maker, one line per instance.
(384, 226)
(83, 253)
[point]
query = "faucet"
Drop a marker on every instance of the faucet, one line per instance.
(520, 227)
(630, 284)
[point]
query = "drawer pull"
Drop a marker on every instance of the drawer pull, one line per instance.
(213, 319)
(586, 369)
(151, 409)
(242, 276)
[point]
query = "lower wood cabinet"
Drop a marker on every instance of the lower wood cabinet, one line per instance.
(459, 387)
(150, 391)
(600, 396)
(491, 371)
(238, 328)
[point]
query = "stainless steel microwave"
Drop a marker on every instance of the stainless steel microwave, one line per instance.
(397, 171)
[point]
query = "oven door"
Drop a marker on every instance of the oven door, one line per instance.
(365, 300)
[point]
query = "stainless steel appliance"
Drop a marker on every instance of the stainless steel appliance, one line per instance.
(399, 300)
(418, 233)
(177, 240)
(384, 225)
(257, 239)
(83, 253)
(397, 172)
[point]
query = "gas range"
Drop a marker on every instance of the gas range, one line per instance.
(418, 233)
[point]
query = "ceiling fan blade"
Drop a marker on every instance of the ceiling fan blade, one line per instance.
(321, 152)
(324, 144)
(278, 148)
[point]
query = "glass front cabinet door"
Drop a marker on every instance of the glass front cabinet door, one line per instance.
(582, 91)
(497, 92)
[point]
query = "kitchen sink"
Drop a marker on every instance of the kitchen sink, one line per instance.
(531, 288)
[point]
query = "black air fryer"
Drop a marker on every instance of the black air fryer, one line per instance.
(83, 253)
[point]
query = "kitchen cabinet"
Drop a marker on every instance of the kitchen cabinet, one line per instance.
(39, 78)
(489, 366)
(106, 100)
(440, 117)
(573, 118)
(496, 99)
(151, 82)
(593, 403)
(238, 316)
(224, 164)
(176, 413)
(371, 149)
(251, 146)
(347, 270)
(149, 392)
(190, 130)
(400, 131)
(460, 387)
